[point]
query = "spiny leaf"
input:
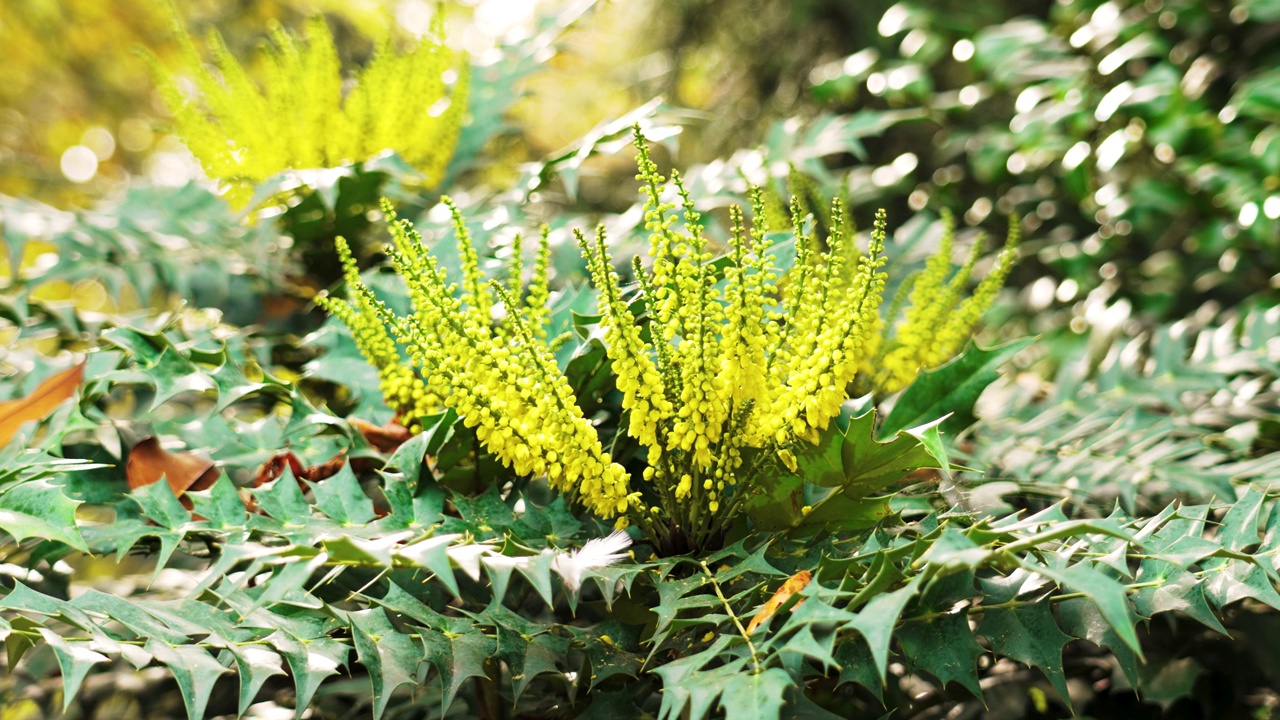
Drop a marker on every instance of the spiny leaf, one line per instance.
(193, 668)
(1177, 590)
(391, 657)
(1108, 595)
(951, 389)
(75, 659)
(877, 619)
(309, 663)
(943, 646)
(1030, 635)
(456, 659)
(255, 665)
(38, 508)
(746, 696)
(341, 498)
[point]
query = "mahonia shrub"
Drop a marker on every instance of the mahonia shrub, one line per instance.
(725, 375)
(303, 115)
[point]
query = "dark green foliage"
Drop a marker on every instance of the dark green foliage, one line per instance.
(1185, 412)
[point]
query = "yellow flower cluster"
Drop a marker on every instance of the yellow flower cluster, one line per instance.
(725, 366)
(303, 116)
(501, 380)
(939, 319)
(402, 387)
(724, 370)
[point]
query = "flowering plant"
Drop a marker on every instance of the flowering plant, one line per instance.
(730, 374)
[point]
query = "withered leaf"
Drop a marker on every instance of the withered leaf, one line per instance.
(793, 585)
(148, 462)
(40, 404)
(274, 468)
(385, 438)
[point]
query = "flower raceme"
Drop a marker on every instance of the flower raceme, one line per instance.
(724, 375)
(302, 116)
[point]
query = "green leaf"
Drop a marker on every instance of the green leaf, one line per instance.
(16, 644)
(254, 664)
(950, 389)
(854, 465)
(283, 500)
(194, 669)
(1108, 595)
(871, 466)
(309, 663)
(162, 507)
(527, 657)
(943, 646)
(1177, 591)
(1240, 525)
(74, 660)
(457, 658)
(38, 508)
(220, 505)
(173, 374)
(391, 657)
(1081, 618)
(433, 554)
(857, 665)
(747, 696)
(877, 619)
(1029, 634)
(341, 498)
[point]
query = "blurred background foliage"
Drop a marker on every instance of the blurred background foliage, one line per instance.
(1136, 140)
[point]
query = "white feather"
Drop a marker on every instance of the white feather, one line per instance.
(597, 553)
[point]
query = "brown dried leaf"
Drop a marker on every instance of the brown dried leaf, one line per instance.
(385, 438)
(274, 468)
(326, 469)
(793, 585)
(40, 404)
(148, 462)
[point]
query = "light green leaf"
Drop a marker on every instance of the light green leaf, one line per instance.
(1240, 525)
(74, 660)
(751, 696)
(162, 507)
(220, 505)
(283, 500)
(255, 664)
(309, 663)
(341, 498)
(38, 508)
(16, 644)
(194, 669)
(951, 389)
(391, 657)
(1177, 591)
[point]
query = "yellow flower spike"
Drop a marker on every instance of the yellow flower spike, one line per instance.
(475, 290)
(938, 321)
(643, 394)
(299, 115)
(537, 309)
